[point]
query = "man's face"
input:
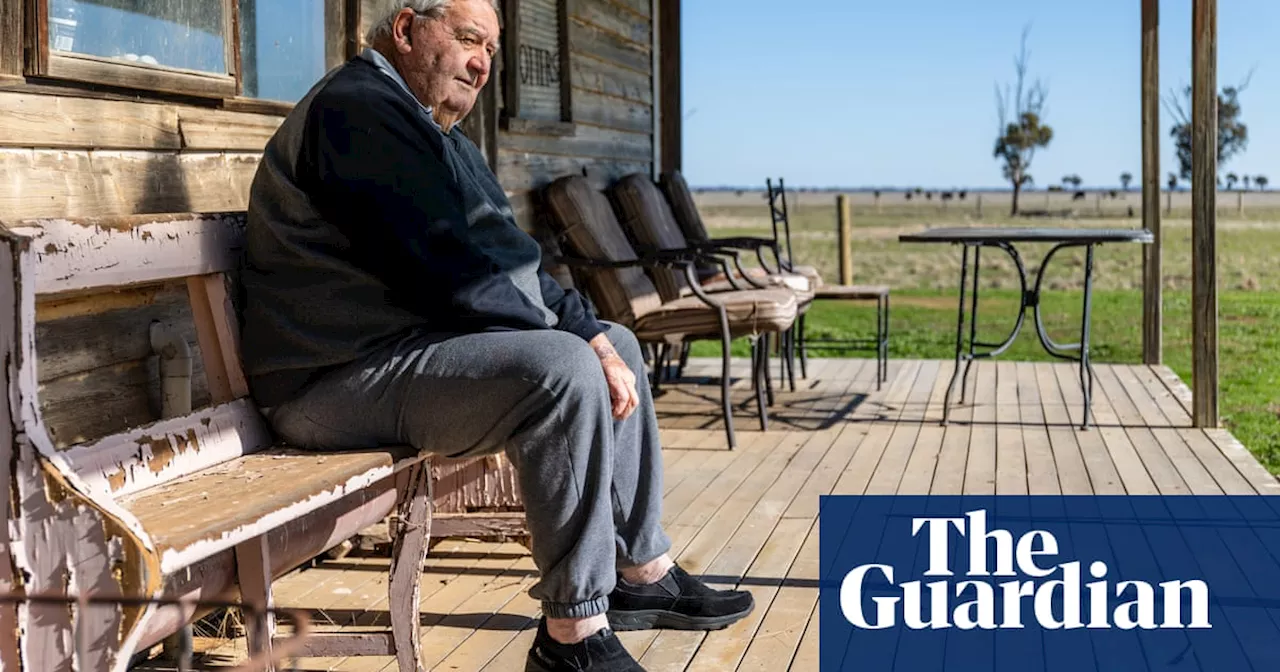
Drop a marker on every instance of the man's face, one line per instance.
(449, 59)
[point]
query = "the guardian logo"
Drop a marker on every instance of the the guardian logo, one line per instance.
(1041, 586)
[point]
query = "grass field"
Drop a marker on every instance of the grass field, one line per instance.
(925, 278)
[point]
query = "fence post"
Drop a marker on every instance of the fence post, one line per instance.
(844, 235)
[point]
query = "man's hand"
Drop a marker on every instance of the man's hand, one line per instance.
(621, 380)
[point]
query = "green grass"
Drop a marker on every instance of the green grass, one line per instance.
(923, 325)
(1247, 249)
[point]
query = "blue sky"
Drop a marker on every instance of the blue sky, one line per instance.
(902, 92)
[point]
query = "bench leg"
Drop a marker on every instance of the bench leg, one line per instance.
(413, 528)
(253, 569)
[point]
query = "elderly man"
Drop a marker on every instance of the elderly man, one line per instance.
(391, 298)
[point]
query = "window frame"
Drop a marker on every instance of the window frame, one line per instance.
(43, 62)
(511, 118)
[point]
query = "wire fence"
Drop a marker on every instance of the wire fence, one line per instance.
(277, 657)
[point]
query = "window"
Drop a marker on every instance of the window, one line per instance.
(178, 46)
(535, 73)
(282, 47)
(266, 49)
(188, 35)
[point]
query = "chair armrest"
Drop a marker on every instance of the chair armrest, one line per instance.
(650, 259)
(742, 242)
(759, 245)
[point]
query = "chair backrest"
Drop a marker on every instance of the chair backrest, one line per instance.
(646, 216)
(682, 206)
(585, 220)
(97, 255)
(778, 215)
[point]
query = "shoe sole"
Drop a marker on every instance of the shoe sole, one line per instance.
(649, 619)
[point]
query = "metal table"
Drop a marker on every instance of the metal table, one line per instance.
(1004, 239)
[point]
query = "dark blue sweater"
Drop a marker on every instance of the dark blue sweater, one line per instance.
(365, 221)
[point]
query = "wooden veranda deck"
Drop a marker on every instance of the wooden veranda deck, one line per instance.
(749, 517)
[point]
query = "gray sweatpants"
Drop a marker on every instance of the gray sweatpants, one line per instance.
(591, 485)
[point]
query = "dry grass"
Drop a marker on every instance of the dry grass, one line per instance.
(1247, 245)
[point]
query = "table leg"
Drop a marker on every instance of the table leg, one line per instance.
(1086, 369)
(955, 373)
(1063, 351)
(973, 320)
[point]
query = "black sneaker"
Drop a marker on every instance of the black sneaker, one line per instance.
(601, 652)
(677, 601)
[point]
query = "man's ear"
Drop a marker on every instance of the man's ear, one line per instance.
(404, 22)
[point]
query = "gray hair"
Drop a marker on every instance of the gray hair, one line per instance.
(432, 9)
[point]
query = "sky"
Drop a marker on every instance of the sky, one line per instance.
(901, 93)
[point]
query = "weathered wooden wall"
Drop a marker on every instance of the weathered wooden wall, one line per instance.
(611, 101)
(74, 156)
(76, 151)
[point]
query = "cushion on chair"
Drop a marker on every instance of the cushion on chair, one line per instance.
(750, 312)
(792, 281)
(853, 291)
(815, 278)
(587, 222)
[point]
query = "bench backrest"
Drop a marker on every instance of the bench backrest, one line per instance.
(70, 256)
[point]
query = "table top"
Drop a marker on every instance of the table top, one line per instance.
(1041, 235)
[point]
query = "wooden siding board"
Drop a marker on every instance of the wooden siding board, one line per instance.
(521, 171)
(221, 130)
(588, 141)
(613, 18)
(37, 120)
(64, 183)
(32, 120)
(638, 7)
(604, 77)
(589, 39)
(593, 108)
(87, 340)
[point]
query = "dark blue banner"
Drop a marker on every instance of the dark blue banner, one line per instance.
(1050, 583)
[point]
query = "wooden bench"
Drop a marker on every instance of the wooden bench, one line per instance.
(201, 506)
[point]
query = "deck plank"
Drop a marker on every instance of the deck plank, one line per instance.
(1042, 471)
(1103, 475)
(1073, 475)
(1011, 454)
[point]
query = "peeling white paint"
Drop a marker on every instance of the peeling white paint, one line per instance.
(64, 544)
(173, 559)
(123, 464)
(55, 537)
(71, 255)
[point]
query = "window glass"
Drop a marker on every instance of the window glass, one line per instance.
(282, 49)
(187, 34)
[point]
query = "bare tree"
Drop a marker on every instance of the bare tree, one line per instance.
(1020, 130)
(1233, 133)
